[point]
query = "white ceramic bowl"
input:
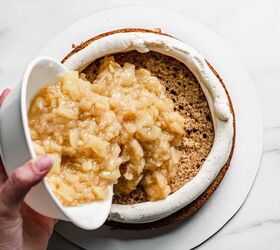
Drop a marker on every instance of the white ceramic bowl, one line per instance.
(16, 147)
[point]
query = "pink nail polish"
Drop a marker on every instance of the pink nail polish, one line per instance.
(43, 163)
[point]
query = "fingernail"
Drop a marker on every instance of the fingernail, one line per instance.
(3, 96)
(5, 93)
(43, 163)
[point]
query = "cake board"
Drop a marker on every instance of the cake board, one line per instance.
(233, 190)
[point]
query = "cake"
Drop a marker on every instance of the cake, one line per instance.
(199, 95)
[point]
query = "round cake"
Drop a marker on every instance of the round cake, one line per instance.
(199, 96)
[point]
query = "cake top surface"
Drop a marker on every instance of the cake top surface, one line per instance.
(222, 117)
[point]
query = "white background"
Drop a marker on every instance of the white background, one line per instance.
(251, 28)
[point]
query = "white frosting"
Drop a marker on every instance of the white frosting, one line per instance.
(217, 100)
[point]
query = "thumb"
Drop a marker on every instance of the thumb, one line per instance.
(22, 180)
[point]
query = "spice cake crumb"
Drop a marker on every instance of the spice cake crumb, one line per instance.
(183, 88)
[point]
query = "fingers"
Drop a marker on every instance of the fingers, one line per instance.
(3, 175)
(3, 96)
(22, 180)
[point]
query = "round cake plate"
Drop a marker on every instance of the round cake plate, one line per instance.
(233, 190)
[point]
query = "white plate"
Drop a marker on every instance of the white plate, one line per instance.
(233, 190)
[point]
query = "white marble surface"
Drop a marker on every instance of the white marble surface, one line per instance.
(251, 28)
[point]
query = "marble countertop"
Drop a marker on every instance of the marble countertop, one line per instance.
(250, 27)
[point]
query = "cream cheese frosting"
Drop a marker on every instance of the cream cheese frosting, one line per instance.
(216, 98)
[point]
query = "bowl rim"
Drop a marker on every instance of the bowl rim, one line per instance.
(70, 213)
(24, 118)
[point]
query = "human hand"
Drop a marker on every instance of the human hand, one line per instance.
(20, 226)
